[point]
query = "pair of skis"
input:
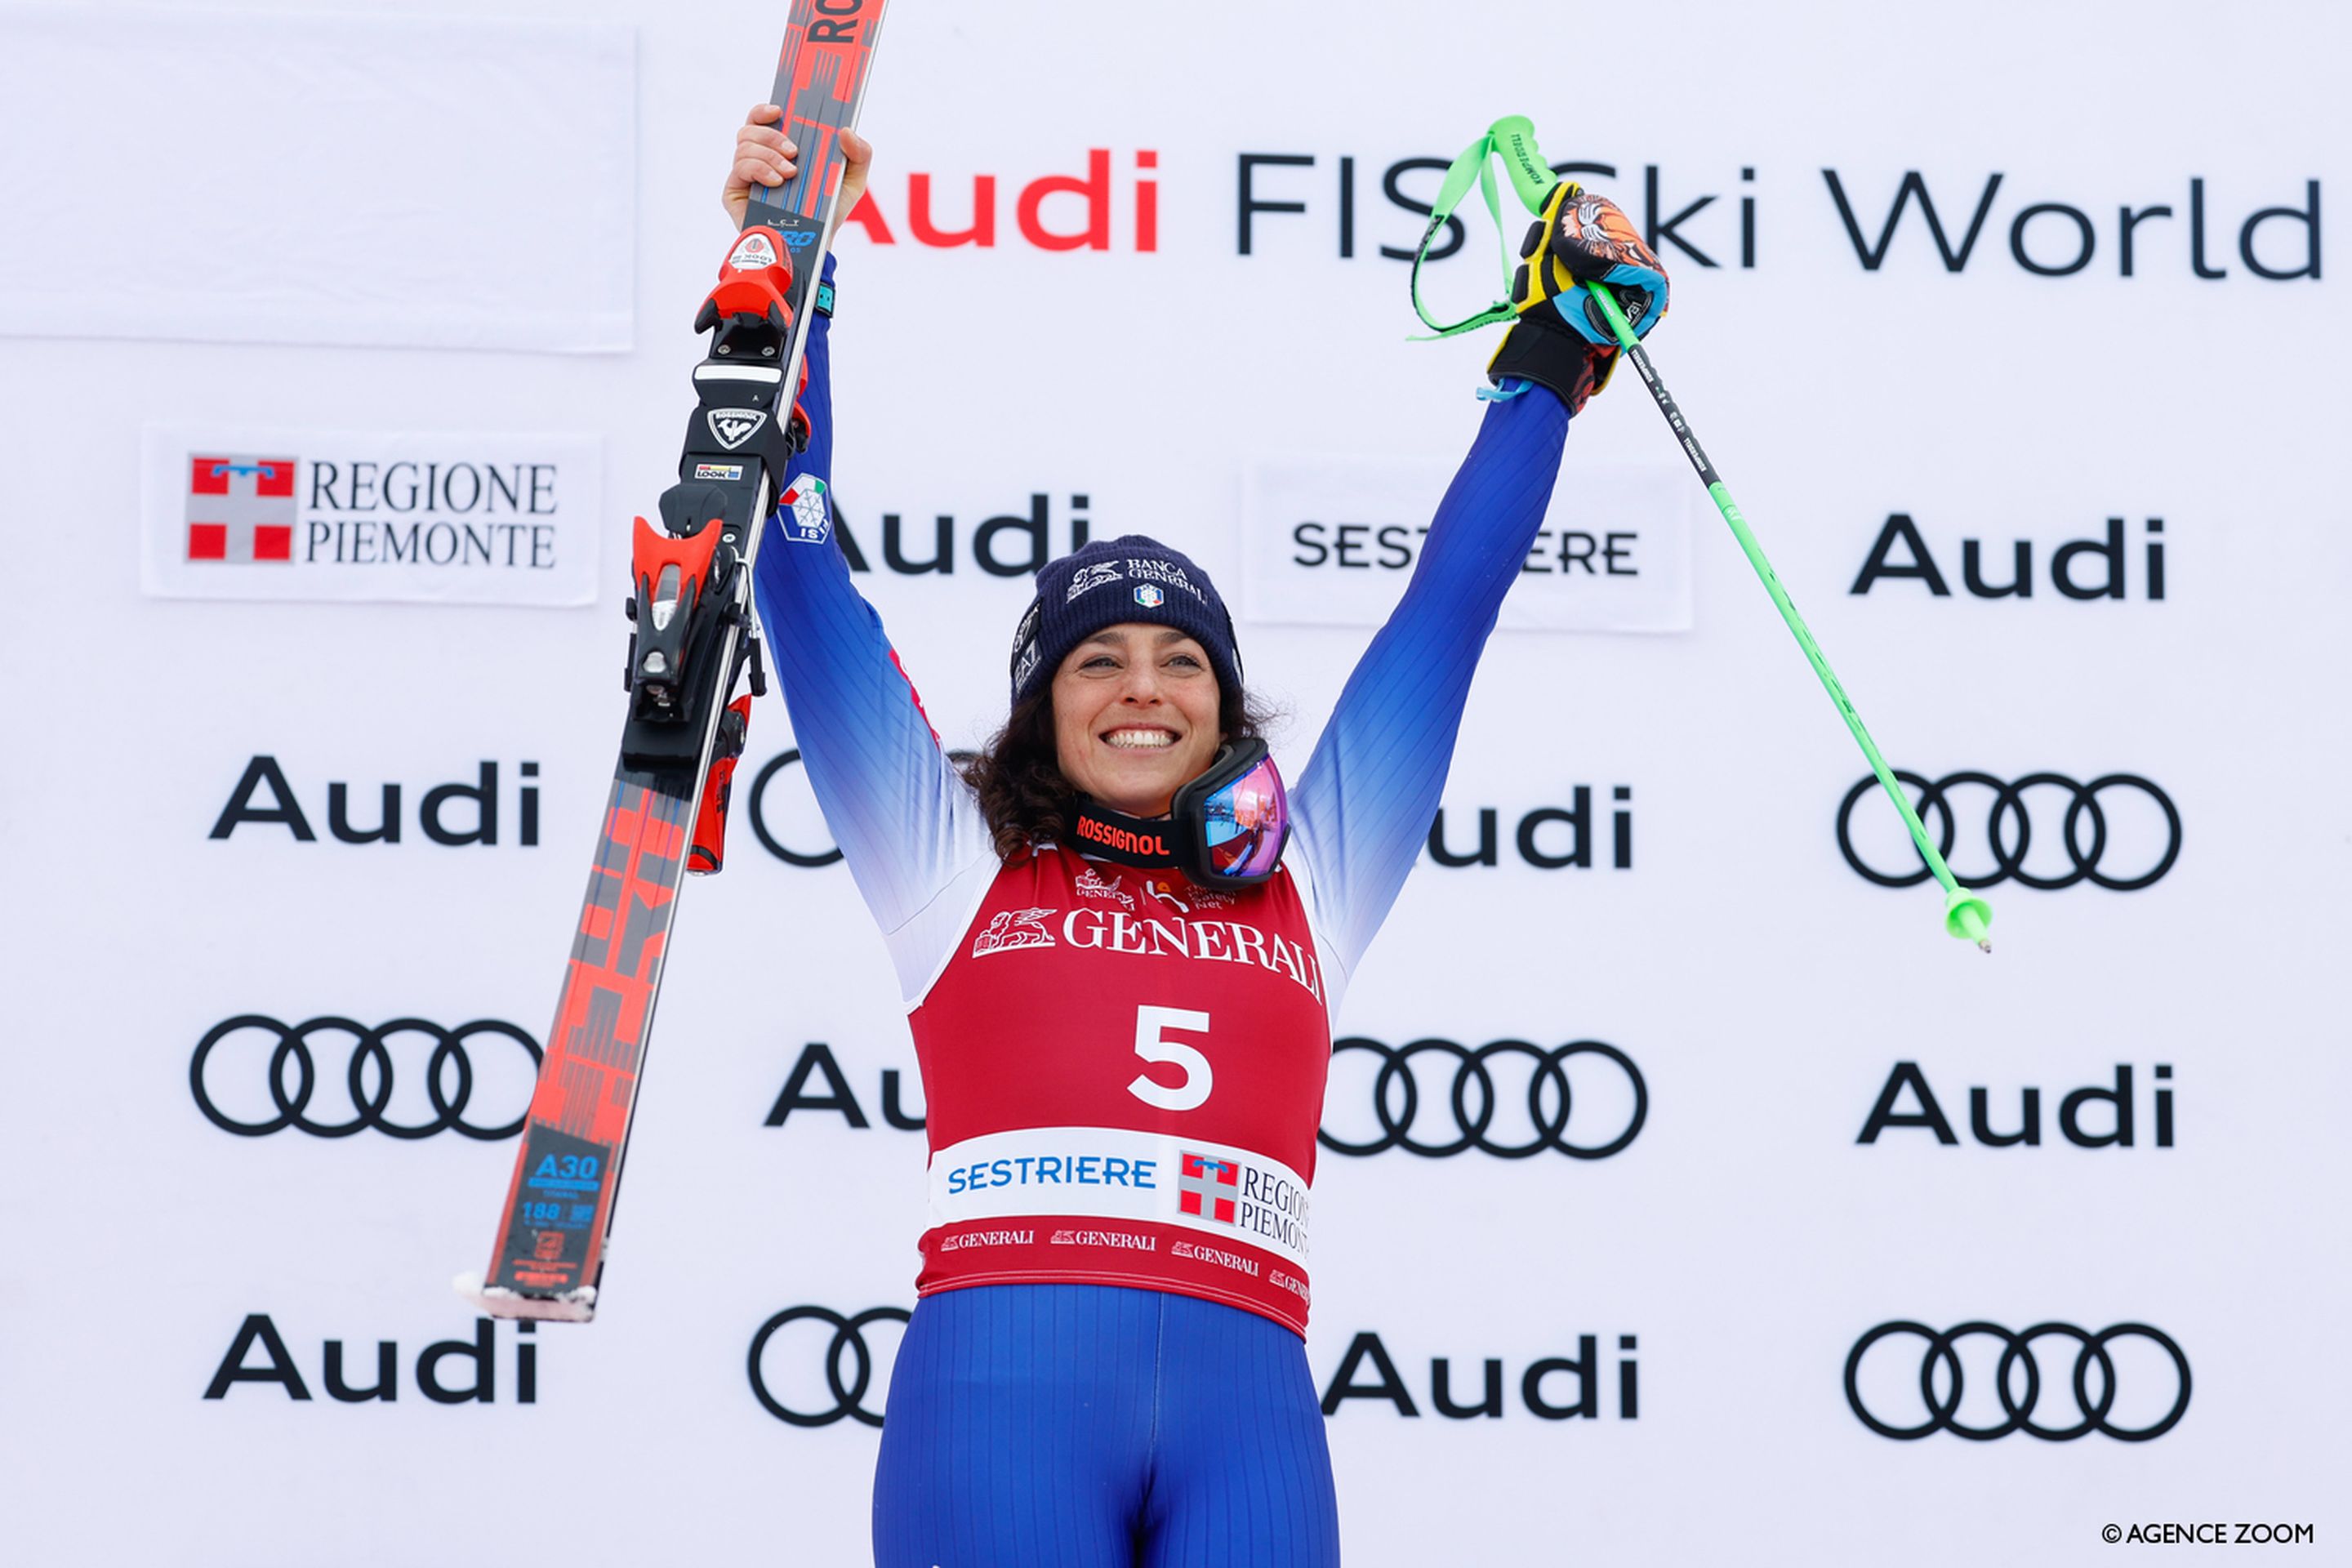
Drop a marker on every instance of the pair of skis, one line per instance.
(693, 640)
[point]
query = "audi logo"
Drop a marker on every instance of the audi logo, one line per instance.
(2092, 1407)
(449, 1077)
(847, 1391)
(2009, 830)
(1476, 1101)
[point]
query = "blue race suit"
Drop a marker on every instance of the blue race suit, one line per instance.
(1089, 1424)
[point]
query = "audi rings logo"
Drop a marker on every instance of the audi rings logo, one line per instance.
(844, 1364)
(1508, 1097)
(2082, 836)
(2094, 1386)
(439, 1101)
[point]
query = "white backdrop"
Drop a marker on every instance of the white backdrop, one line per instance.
(1743, 1240)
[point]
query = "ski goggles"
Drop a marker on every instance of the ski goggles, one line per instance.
(1225, 829)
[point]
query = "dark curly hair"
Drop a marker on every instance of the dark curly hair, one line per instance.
(1018, 774)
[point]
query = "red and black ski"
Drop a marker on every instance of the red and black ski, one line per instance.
(693, 640)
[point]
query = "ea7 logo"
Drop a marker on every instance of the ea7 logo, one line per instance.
(733, 427)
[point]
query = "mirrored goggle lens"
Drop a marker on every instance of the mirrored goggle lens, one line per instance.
(1245, 821)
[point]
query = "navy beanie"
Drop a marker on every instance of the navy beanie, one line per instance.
(1111, 581)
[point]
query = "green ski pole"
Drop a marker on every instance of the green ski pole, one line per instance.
(1965, 915)
(1513, 140)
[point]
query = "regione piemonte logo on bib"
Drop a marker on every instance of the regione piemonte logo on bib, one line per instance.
(1208, 1186)
(241, 511)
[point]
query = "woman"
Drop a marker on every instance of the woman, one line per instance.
(1120, 948)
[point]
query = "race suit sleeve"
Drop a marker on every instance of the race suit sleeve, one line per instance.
(1362, 807)
(907, 824)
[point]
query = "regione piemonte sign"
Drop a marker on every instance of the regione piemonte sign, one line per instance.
(1331, 541)
(449, 518)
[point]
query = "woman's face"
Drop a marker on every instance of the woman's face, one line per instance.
(1135, 716)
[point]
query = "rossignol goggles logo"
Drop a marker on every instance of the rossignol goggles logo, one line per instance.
(1124, 839)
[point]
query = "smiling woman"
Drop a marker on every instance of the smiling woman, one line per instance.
(1134, 709)
(1120, 944)
(1135, 715)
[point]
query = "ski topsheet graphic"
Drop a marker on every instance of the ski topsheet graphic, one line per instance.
(692, 641)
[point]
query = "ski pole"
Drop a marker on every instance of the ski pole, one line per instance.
(1965, 915)
(1512, 139)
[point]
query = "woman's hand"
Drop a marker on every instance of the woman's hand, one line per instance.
(765, 156)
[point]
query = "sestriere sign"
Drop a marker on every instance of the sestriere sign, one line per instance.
(1332, 542)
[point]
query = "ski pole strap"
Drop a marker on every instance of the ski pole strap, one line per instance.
(1513, 138)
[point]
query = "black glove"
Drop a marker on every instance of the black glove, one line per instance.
(1561, 340)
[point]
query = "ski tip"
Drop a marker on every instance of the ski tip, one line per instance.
(497, 1301)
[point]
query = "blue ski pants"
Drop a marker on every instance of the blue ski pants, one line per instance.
(1098, 1426)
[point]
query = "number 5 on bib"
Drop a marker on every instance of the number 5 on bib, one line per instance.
(1193, 1092)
